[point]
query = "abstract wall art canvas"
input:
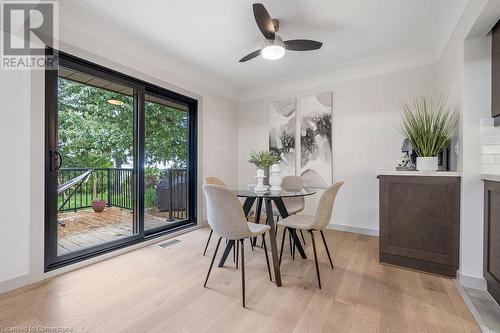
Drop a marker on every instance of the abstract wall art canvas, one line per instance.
(316, 153)
(282, 133)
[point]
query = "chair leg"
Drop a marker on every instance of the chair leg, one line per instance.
(237, 252)
(282, 244)
(315, 258)
(243, 272)
(303, 238)
(290, 240)
(234, 253)
(251, 244)
(212, 263)
(208, 241)
(326, 247)
(267, 257)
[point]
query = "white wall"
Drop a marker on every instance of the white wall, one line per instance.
(14, 171)
(89, 37)
(463, 72)
(477, 105)
(364, 140)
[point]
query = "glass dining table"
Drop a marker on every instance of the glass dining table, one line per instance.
(267, 198)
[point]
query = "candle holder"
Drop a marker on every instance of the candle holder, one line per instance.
(260, 184)
(275, 178)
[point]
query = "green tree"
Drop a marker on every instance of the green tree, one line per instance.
(94, 133)
(166, 135)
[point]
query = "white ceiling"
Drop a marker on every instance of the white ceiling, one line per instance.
(214, 35)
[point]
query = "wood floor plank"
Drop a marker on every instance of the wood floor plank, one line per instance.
(157, 289)
(418, 313)
(440, 305)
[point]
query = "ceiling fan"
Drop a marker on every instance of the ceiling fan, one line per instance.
(274, 47)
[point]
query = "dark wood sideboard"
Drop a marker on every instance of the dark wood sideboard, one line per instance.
(420, 223)
(491, 243)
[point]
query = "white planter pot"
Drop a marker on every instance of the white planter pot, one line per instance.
(427, 164)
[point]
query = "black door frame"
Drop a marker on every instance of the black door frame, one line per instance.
(52, 261)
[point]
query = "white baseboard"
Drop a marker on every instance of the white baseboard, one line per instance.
(473, 282)
(356, 230)
(14, 283)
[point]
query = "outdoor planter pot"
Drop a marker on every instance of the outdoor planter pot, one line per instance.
(98, 205)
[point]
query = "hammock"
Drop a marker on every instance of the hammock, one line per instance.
(83, 178)
(78, 181)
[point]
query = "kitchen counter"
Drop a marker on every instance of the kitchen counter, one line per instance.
(489, 177)
(420, 173)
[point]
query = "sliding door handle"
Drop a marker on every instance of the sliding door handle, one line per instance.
(59, 160)
(53, 156)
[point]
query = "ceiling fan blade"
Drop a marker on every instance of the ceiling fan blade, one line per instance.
(264, 21)
(250, 56)
(302, 45)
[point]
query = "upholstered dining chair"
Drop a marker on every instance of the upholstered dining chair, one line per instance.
(212, 181)
(293, 205)
(296, 204)
(227, 219)
(314, 223)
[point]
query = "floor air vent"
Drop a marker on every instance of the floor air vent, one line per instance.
(170, 243)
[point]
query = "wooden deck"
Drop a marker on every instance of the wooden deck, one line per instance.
(85, 228)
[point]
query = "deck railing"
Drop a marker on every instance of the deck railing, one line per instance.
(116, 187)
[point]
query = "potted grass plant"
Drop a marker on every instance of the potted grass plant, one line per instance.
(263, 160)
(429, 125)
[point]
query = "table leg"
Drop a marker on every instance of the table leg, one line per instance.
(274, 247)
(227, 250)
(284, 213)
(247, 205)
(258, 210)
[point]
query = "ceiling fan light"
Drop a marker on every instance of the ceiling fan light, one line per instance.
(273, 49)
(273, 52)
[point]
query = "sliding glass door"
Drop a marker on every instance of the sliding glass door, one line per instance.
(120, 161)
(166, 146)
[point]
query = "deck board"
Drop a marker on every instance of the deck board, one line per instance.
(86, 228)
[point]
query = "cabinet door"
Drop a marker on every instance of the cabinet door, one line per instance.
(420, 219)
(495, 71)
(491, 241)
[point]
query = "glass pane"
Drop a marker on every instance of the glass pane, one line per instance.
(95, 181)
(166, 160)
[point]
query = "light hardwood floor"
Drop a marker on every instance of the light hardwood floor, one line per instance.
(157, 289)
